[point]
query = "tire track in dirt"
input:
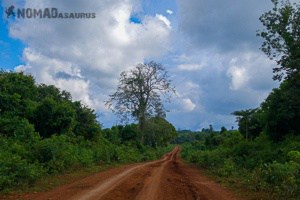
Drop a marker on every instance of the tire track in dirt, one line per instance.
(164, 179)
(152, 186)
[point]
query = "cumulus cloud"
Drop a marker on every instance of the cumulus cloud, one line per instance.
(215, 63)
(250, 70)
(219, 52)
(86, 56)
(225, 83)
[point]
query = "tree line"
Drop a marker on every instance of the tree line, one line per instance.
(44, 132)
(279, 114)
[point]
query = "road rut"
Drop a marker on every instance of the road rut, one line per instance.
(165, 179)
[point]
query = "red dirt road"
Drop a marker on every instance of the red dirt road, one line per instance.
(167, 178)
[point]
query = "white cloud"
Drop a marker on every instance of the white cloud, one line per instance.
(218, 68)
(188, 105)
(187, 96)
(164, 20)
(250, 70)
(170, 12)
(86, 56)
(226, 82)
(239, 77)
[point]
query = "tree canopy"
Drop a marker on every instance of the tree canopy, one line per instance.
(139, 93)
(159, 132)
(279, 114)
(249, 122)
(282, 38)
(48, 109)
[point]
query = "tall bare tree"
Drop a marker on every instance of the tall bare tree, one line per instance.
(139, 93)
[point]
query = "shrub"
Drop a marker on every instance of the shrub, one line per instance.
(259, 165)
(282, 178)
(16, 171)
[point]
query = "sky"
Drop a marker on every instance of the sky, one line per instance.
(209, 48)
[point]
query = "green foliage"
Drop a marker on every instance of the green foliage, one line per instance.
(50, 91)
(112, 135)
(18, 166)
(15, 171)
(86, 124)
(130, 133)
(282, 110)
(123, 134)
(278, 115)
(294, 156)
(259, 165)
(159, 132)
(184, 136)
(281, 38)
(17, 94)
(128, 154)
(17, 128)
(249, 122)
(53, 117)
(282, 178)
(42, 132)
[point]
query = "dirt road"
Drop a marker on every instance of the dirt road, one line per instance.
(167, 178)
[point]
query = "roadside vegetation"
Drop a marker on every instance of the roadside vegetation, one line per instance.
(44, 133)
(259, 168)
(263, 156)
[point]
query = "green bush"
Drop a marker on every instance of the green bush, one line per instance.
(128, 154)
(55, 154)
(294, 156)
(283, 179)
(17, 171)
(259, 165)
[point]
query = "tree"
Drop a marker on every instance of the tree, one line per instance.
(17, 94)
(53, 92)
(130, 132)
(249, 122)
(223, 130)
(86, 122)
(282, 111)
(54, 117)
(282, 38)
(159, 132)
(139, 93)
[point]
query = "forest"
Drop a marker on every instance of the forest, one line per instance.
(44, 133)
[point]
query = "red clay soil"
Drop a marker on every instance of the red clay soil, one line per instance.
(168, 178)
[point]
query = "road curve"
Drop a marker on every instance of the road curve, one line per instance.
(164, 179)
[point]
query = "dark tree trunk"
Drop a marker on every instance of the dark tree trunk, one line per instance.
(142, 128)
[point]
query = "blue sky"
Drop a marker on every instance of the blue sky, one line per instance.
(10, 49)
(209, 47)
